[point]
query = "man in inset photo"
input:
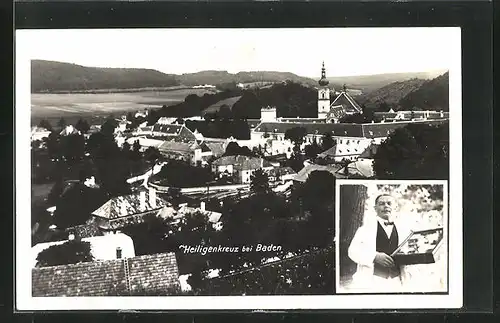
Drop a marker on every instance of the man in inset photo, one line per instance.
(372, 246)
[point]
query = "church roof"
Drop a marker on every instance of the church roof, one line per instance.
(348, 102)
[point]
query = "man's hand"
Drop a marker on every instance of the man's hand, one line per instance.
(383, 260)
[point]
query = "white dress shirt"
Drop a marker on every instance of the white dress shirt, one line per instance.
(387, 227)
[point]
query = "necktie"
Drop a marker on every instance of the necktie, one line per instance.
(388, 223)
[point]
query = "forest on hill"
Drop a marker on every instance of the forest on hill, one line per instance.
(47, 76)
(413, 94)
(432, 95)
(290, 99)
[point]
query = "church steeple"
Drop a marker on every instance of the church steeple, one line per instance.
(323, 81)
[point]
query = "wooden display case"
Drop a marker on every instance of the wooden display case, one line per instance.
(420, 247)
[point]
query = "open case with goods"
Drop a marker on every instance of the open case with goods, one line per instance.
(420, 247)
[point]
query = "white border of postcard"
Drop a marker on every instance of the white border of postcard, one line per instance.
(25, 302)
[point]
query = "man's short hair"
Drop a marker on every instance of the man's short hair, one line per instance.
(383, 194)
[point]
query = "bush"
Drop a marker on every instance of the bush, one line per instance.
(70, 252)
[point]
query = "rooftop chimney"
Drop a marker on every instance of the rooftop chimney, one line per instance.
(142, 200)
(152, 197)
(118, 253)
(202, 206)
(123, 208)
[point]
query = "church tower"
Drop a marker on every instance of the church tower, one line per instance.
(323, 95)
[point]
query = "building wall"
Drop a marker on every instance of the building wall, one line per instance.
(323, 102)
(267, 114)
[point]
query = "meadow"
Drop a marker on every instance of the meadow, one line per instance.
(71, 106)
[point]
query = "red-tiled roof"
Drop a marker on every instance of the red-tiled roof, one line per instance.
(147, 274)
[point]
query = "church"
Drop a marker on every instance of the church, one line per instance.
(350, 140)
(328, 111)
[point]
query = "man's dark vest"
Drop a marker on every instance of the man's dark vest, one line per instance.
(387, 246)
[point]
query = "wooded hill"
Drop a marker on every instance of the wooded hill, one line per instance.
(413, 94)
(48, 76)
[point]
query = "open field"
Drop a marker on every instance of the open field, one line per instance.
(215, 107)
(45, 105)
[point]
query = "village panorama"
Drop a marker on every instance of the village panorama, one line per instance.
(229, 191)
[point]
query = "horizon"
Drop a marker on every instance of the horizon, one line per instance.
(301, 51)
(438, 71)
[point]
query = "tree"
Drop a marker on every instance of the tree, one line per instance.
(82, 125)
(296, 135)
(327, 141)
(73, 148)
(417, 151)
(225, 112)
(54, 145)
(352, 207)
(61, 123)
(152, 154)
(45, 124)
(71, 252)
(109, 126)
(259, 182)
(126, 147)
(233, 149)
(76, 203)
(130, 116)
(383, 107)
(312, 150)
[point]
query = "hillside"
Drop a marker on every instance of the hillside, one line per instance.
(369, 83)
(48, 76)
(432, 95)
(390, 94)
(224, 77)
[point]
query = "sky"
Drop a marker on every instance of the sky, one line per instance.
(345, 51)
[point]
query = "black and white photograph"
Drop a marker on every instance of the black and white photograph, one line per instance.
(183, 163)
(392, 237)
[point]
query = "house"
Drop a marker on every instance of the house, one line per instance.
(102, 247)
(175, 132)
(348, 149)
(69, 130)
(143, 130)
(191, 152)
(156, 275)
(166, 120)
(412, 115)
(272, 134)
(144, 142)
(126, 210)
(38, 133)
(211, 216)
(304, 173)
(241, 167)
(281, 174)
(358, 169)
